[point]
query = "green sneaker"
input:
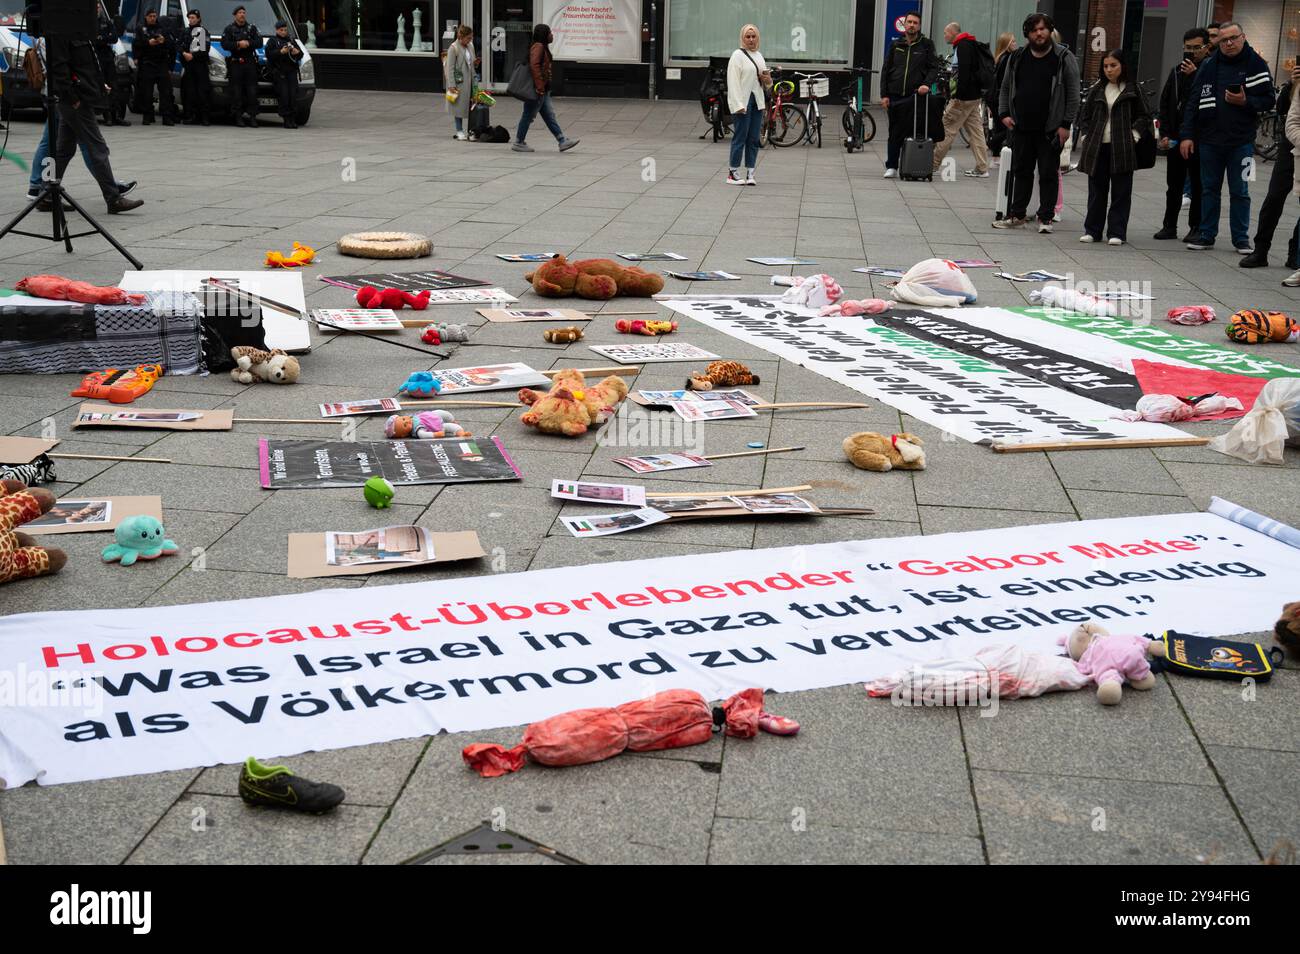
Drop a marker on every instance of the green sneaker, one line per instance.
(276, 786)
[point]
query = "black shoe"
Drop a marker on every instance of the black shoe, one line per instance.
(240, 121)
(1255, 259)
(1200, 243)
(204, 122)
(122, 122)
(189, 122)
(1166, 233)
(46, 205)
(126, 187)
(276, 787)
(169, 122)
(1191, 234)
(147, 121)
(120, 203)
(252, 120)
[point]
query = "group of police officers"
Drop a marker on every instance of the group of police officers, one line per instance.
(155, 49)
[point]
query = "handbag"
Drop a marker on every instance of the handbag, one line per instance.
(521, 83)
(452, 94)
(1144, 150)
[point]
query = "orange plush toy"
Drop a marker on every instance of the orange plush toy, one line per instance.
(571, 407)
(300, 256)
(595, 278)
(20, 556)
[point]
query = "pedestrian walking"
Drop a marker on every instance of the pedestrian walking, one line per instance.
(540, 64)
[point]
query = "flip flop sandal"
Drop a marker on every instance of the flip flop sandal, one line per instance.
(777, 725)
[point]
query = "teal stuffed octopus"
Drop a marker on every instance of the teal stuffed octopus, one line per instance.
(139, 538)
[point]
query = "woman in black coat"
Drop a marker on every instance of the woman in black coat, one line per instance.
(1115, 114)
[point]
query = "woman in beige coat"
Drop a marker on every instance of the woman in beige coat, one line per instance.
(1293, 138)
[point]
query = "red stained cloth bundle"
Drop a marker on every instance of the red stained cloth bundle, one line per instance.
(65, 289)
(667, 720)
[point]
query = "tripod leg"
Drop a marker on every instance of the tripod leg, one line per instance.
(23, 214)
(139, 266)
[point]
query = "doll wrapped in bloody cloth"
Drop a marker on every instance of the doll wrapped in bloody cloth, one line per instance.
(666, 720)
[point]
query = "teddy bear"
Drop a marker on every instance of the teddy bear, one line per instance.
(427, 425)
(638, 326)
(871, 451)
(254, 364)
(562, 335)
(571, 407)
(370, 297)
(1287, 628)
(1111, 660)
(722, 374)
(595, 278)
(441, 331)
(20, 555)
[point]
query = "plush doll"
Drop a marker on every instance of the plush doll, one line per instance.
(1287, 629)
(572, 407)
(815, 291)
(639, 326)
(1252, 326)
(420, 384)
(254, 364)
(427, 425)
(1110, 661)
(563, 335)
(852, 307)
(595, 278)
(370, 297)
(300, 256)
(65, 289)
(139, 538)
(722, 374)
(441, 331)
(871, 451)
(20, 555)
(603, 399)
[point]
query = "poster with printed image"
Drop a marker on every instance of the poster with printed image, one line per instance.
(585, 491)
(603, 525)
(711, 410)
(650, 353)
(606, 30)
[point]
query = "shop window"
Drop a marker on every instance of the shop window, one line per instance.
(368, 24)
(792, 31)
(985, 19)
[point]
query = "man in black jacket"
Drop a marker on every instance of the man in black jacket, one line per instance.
(241, 42)
(911, 67)
(1281, 181)
(283, 56)
(114, 108)
(963, 109)
(196, 84)
(1173, 102)
(155, 51)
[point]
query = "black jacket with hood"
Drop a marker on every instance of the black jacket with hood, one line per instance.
(907, 67)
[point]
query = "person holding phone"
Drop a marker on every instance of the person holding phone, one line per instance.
(1230, 89)
(747, 81)
(1173, 103)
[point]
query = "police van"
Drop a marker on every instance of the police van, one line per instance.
(15, 41)
(263, 14)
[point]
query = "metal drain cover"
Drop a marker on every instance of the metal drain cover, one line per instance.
(484, 840)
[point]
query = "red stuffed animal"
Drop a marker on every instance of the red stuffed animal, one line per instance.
(370, 297)
(65, 289)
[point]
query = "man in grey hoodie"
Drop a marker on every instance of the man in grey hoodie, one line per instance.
(1037, 104)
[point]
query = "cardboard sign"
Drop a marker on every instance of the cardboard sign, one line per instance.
(24, 450)
(118, 509)
(154, 419)
(533, 314)
(307, 556)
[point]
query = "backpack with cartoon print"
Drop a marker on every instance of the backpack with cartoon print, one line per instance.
(1217, 658)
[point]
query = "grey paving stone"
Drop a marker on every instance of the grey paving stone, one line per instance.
(743, 841)
(86, 823)
(1129, 471)
(1225, 712)
(1045, 819)
(958, 519)
(185, 486)
(1269, 492)
(233, 833)
(1260, 783)
(1100, 504)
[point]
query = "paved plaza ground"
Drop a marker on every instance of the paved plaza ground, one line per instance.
(874, 782)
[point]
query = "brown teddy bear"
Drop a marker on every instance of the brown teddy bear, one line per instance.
(871, 451)
(595, 278)
(1288, 628)
(571, 407)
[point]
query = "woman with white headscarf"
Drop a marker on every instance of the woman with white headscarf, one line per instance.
(747, 78)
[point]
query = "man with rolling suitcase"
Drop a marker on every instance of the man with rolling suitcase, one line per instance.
(911, 68)
(1038, 103)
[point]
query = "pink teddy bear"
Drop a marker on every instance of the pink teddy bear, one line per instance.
(1111, 660)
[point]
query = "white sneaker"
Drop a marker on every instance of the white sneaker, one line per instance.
(1009, 223)
(891, 174)
(976, 174)
(1243, 249)
(1056, 217)
(1086, 239)
(749, 177)
(1044, 228)
(1114, 241)
(461, 136)
(733, 179)
(1187, 202)
(1292, 280)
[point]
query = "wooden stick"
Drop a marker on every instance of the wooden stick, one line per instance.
(737, 493)
(1101, 445)
(621, 369)
(406, 404)
(143, 460)
(845, 511)
(283, 420)
(621, 314)
(751, 453)
(759, 407)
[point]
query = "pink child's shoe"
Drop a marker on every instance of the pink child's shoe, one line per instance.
(777, 725)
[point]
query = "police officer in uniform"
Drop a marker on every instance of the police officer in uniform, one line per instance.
(283, 56)
(155, 51)
(196, 85)
(114, 110)
(241, 41)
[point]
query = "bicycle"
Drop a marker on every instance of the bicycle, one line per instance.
(775, 129)
(802, 122)
(1268, 135)
(859, 125)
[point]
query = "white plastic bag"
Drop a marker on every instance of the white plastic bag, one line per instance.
(1274, 420)
(1004, 670)
(1167, 408)
(1053, 296)
(934, 283)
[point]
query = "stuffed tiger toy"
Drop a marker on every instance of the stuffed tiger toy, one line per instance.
(1252, 326)
(722, 374)
(254, 364)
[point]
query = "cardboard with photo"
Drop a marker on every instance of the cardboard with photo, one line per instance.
(651, 257)
(650, 353)
(782, 260)
(526, 256)
(585, 491)
(405, 544)
(92, 514)
(431, 279)
(154, 419)
(714, 276)
(24, 450)
(653, 463)
(365, 406)
(491, 377)
(711, 410)
(533, 314)
(356, 319)
(603, 525)
(309, 554)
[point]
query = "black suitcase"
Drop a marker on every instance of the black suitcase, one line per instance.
(916, 164)
(480, 120)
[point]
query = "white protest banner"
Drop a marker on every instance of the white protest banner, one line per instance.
(608, 30)
(103, 693)
(963, 394)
